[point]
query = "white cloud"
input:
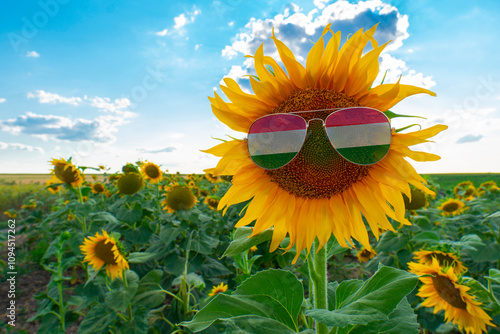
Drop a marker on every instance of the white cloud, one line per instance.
(297, 29)
(231, 23)
(2, 100)
(161, 33)
(46, 97)
(52, 127)
(21, 147)
(32, 54)
(184, 19)
(197, 46)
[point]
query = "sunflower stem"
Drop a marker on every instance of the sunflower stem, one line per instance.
(319, 280)
(80, 199)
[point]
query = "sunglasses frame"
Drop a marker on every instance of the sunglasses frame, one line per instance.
(334, 110)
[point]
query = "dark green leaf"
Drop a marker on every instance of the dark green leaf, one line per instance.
(391, 242)
(97, 320)
(268, 297)
(140, 257)
(241, 241)
(373, 301)
(401, 320)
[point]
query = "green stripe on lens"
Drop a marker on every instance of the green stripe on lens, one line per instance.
(364, 155)
(273, 161)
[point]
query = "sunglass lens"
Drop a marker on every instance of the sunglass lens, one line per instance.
(274, 140)
(361, 135)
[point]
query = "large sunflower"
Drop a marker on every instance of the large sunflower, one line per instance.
(443, 292)
(319, 192)
(445, 259)
(101, 250)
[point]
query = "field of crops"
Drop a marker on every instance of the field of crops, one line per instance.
(145, 252)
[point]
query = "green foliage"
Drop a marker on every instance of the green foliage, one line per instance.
(176, 258)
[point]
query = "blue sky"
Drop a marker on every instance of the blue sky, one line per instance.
(109, 83)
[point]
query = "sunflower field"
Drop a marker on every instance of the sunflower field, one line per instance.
(316, 222)
(148, 252)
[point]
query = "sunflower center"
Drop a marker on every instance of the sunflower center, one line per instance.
(152, 171)
(99, 188)
(446, 290)
(450, 207)
(317, 171)
(103, 251)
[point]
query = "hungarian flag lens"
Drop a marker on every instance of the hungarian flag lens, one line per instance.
(274, 140)
(361, 135)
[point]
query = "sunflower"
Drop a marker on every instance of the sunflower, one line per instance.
(253, 249)
(465, 190)
(129, 184)
(101, 250)
(445, 259)
(49, 184)
(490, 186)
(213, 179)
(218, 289)
(452, 207)
(11, 214)
(191, 184)
(418, 200)
(179, 198)
(365, 255)
(67, 172)
(151, 172)
(319, 192)
(211, 202)
(98, 188)
(443, 292)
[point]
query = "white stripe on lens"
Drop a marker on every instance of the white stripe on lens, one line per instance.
(275, 142)
(359, 135)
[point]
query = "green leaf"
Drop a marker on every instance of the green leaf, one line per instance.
(270, 298)
(169, 234)
(428, 237)
(391, 242)
(494, 275)
(486, 253)
(346, 289)
(392, 115)
(401, 320)
(104, 217)
(192, 279)
(118, 298)
(149, 294)
(140, 257)
(97, 320)
(130, 216)
(373, 301)
(241, 241)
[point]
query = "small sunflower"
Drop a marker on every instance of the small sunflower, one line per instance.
(418, 200)
(213, 179)
(465, 190)
(129, 184)
(445, 259)
(98, 188)
(101, 250)
(179, 198)
(211, 202)
(365, 255)
(53, 189)
(490, 186)
(11, 214)
(443, 292)
(151, 172)
(191, 184)
(67, 172)
(218, 289)
(319, 193)
(452, 207)
(253, 249)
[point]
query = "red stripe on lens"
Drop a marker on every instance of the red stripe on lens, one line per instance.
(355, 116)
(277, 123)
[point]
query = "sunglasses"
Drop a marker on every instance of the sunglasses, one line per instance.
(360, 135)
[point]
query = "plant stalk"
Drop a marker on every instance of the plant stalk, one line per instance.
(318, 278)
